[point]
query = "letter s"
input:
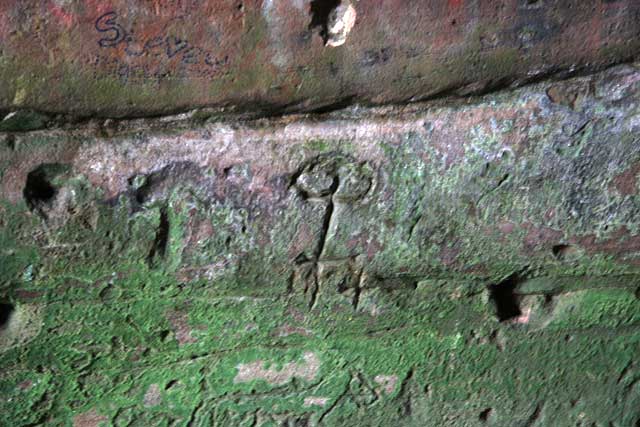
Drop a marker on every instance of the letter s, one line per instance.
(107, 23)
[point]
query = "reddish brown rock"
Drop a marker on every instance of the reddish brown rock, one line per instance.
(118, 57)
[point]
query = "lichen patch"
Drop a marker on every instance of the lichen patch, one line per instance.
(180, 324)
(152, 397)
(315, 401)
(287, 329)
(307, 370)
(387, 383)
(89, 419)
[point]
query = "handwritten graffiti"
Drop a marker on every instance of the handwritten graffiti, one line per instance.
(115, 34)
(160, 49)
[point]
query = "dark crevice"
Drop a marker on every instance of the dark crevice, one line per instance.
(301, 259)
(494, 339)
(335, 403)
(413, 226)
(294, 178)
(10, 142)
(499, 184)
(314, 290)
(624, 372)
(484, 415)
(561, 251)
(504, 298)
(357, 290)
(162, 237)
(405, 394)
(356, 297)
(164, 335)
(6, 310)
(502, 180)
(534, 416)
(581, 130)
(171, 384)
(39, 188)
(325, 229)
(320, 12)
(291, 282)
(341, 104)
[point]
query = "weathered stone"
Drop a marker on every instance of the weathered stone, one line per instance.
(117, 58)
(457, 263)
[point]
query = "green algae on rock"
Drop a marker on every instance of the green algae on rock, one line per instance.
(455, 264)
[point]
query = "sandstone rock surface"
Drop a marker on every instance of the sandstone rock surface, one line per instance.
(461, 263)
(123, 58)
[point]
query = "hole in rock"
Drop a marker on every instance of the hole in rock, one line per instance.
(320, 12)
(39, 187)
(159, 246)
(171, 384)
(484, 415)
(532, 4)
(10, 142)
(561, 251)
(164, 335)
(504, 298)
(6, 310)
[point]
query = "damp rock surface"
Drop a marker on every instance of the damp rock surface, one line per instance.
(123, 58)
(461, 263)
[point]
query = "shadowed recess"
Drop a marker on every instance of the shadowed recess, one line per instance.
(320, 12)
(6, 310)
(504, 299)
(39, 187)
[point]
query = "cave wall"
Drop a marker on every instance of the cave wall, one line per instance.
(369, 259)
(124, 58)
(464, 264)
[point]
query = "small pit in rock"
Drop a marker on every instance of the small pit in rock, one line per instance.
(562, 252)
(10, 142)
(39, 188)
(506, 302)
(159, 247)
(334, 18)
(484, 415)
(320, 12)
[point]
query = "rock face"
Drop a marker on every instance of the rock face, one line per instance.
(121, 57)
(465, 263)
